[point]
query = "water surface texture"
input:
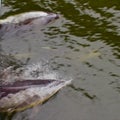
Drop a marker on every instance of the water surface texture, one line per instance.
(84, 44)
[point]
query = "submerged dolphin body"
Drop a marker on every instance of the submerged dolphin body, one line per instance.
(25, 21)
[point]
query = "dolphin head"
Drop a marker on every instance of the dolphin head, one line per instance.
(44, 20)
(28, 18)
(51, 17)
(26, 21)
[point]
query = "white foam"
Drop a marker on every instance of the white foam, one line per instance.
(39, 71)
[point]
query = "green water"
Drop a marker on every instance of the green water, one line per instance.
(84, 44)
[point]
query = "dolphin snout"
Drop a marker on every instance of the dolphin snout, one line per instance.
(51, 17)
(55, 16)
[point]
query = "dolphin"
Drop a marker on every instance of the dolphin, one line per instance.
(26, 21)
(19, 90)
(24, 94)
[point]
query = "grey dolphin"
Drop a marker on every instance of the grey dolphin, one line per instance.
(20, 96)
(26, 21)
(20, 90)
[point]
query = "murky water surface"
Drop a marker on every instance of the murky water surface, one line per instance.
(84, 44)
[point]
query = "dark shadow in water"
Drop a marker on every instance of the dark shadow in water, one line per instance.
(6, 116)
(86, 23)
(84, 92)
(116, 83)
